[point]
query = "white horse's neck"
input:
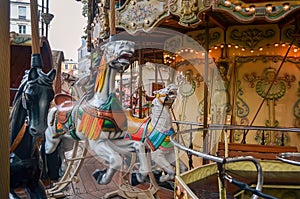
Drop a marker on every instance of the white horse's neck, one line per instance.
(108, 87)
(161, 117)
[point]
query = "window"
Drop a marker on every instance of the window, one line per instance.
(22, 29)
(22, 12)
(66, 66)
(74, 66)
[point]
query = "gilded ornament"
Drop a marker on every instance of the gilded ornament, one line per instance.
(103, 20)
(188, 12)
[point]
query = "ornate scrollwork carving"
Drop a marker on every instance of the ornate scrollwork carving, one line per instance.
(103, 20)
(242, 109)
(188, 12)
(262, 84)
(251, 37)
(296, 109)
(173, 5)
(214, 36)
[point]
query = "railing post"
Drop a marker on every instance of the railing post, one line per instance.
(282, 138)
(263, 137)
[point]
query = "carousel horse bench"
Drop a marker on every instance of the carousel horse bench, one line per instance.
(64, 104)
(263, 152)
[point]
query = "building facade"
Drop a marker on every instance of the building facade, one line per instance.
(84, 59)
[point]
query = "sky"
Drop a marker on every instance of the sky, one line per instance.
(67, 27)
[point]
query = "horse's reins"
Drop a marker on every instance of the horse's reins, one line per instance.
(22, 131)
(20, 136)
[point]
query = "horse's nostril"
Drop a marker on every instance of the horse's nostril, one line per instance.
(33, 130)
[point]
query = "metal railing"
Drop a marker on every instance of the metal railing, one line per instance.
(195, 127)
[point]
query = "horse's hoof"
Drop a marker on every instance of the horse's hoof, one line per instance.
(157, 174)
(134, 181)
(97, 174)
(137, 178)
(166, 177)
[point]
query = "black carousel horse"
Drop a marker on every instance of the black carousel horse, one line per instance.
(28, 121)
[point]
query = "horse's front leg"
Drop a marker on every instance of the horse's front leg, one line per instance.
(161, 159)
(129, 146)
(104, 151)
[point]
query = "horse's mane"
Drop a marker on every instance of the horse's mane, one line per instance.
(92, 78)
(21, 87)
(42, 79)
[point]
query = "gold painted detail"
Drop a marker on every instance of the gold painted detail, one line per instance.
(173, 5)
(137, 15)
(103, 20)
(188, 12)
(100, 78)
(263, 84)
(251, 37)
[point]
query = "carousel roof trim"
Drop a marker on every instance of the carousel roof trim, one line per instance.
(136, 15)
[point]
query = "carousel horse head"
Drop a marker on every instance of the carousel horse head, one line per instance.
(36, 97)
(165, 96)
(118, 54)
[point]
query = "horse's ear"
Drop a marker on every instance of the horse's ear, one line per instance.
(52, 74)
(33, 74)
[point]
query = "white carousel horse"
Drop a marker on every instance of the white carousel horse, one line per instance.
(100, 120)
(155, 132)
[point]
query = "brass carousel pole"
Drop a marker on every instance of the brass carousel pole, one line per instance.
(112, 33)
(4, 105)
(205, 114)
(140, 88)
(36, 59)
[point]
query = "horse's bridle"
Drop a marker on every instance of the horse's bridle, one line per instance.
(20, 135)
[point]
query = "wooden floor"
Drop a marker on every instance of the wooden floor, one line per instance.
(88, 188)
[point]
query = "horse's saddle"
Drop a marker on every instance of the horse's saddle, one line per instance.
(134, 123)
(64, 104)
(110, 115)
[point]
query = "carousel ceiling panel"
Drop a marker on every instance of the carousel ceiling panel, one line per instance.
(137, 15)
(253, 36)
(194, 40)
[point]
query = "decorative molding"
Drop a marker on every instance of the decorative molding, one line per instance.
(287, 35)
(142, 15)
(188, 10)
(216, 36)
(242, 109)
(253, 36)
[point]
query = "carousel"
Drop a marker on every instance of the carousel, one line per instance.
(185, 99)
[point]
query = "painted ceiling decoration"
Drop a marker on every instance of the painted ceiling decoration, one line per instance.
(144, 15)
(137, 15)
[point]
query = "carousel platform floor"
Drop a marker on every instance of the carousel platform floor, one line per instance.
(88, 188)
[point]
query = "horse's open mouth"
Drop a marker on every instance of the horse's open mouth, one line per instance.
(125, 57)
